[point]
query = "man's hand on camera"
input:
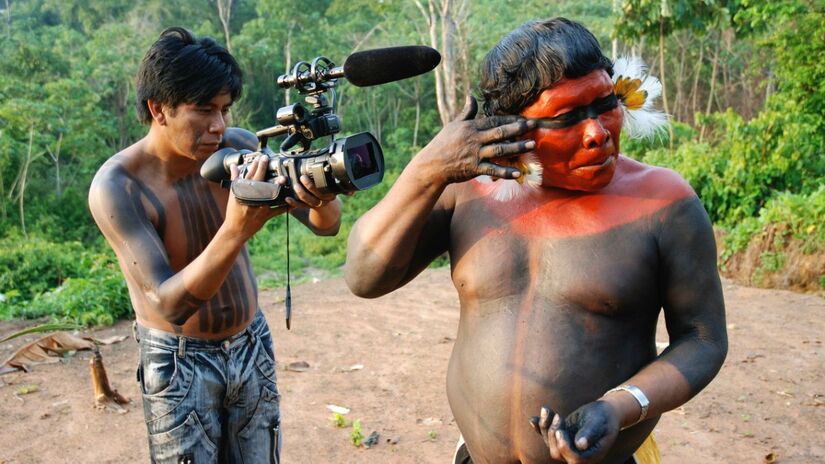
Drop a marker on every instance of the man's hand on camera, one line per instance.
(244, 219)
(467, 147)
(307, 195)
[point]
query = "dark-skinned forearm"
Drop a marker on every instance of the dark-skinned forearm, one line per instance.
(323, 221)
(178, 297)
(383, 241)
(679, 373)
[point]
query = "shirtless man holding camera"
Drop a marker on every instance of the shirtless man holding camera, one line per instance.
(562, 276)
(207, 365)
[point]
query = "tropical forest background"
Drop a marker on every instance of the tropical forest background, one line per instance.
(744, 84)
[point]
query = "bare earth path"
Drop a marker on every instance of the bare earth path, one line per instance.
(768, 398)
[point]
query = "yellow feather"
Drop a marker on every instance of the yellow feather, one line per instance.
(635, 100)
(627, 90)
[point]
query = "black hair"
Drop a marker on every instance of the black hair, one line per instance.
(180, 68)
(534, 57)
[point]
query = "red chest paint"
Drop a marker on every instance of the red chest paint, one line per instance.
(637, 191)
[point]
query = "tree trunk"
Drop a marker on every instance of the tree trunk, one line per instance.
(417, 112)
(447, 16)
(106, 397)
(3, 213)
(697, 72)
(432, 30)
(662, 75)
(21, 186)
(8, 20)
(678, 105)
(448, 33)
(288, 56)
(224, 14)
(122, 111)
(56, 159)
(712, 88)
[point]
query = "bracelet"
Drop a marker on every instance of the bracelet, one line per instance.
(640, 397)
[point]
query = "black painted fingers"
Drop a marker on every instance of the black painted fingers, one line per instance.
(584, 437)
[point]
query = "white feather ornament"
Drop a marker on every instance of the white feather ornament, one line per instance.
(636, 91)
(510, 189)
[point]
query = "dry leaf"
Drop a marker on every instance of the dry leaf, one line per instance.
(298, 366)
(338, 409)
(108, 341)
(47, 349)
(430, 421)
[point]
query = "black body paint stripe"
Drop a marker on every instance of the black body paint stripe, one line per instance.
(579, 114)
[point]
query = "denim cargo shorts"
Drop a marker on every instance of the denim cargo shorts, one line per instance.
(210, 401)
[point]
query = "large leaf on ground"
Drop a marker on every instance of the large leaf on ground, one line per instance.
(50, 349)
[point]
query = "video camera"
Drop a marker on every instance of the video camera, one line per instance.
(348, 164)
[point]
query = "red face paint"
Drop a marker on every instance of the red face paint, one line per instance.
(582, 156)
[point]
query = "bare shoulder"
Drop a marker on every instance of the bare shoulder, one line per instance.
(116, 181)
(651, 181)
(237, 137)
(110, 178)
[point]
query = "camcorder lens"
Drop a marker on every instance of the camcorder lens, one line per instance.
(362, 160)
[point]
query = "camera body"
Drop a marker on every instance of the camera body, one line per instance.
(346, 165)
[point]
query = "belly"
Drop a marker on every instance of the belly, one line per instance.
(231, 309)
(514, 355)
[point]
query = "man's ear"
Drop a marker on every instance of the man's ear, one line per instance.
(157, 110)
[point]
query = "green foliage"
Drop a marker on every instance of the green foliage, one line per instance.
(795, 215)
(65, 281)
(356, 436)
(67, 104)
(786, 216)
(34, 265)
(338, 420)
(645, 17)
(747, 162)
(638, 149)
(41, 329)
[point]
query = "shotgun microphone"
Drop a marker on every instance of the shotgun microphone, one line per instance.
(382, 65)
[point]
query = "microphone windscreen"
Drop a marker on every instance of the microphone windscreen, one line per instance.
(382, 65)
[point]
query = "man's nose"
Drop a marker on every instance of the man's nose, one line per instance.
(595, 135)
(218, 124)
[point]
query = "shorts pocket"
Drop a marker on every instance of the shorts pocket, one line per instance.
(260, 439)
(187, 442)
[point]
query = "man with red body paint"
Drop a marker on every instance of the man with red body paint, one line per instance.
(560, 288)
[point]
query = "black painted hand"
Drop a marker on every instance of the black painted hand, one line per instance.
(467, 147)
(584, 437)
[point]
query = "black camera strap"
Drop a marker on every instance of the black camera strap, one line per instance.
(288, 297)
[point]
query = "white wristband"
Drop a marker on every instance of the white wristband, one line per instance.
(640, 397)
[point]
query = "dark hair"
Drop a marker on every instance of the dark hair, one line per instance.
(180, 68)
(534, 57)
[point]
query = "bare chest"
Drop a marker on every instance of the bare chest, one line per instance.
(186, 215)
(582, 259)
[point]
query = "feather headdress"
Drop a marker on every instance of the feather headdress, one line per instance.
(636, 91)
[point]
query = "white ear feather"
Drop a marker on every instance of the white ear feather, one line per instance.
(645, 121)
(508, 189)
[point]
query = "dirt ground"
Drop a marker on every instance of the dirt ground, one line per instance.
(768, 398)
